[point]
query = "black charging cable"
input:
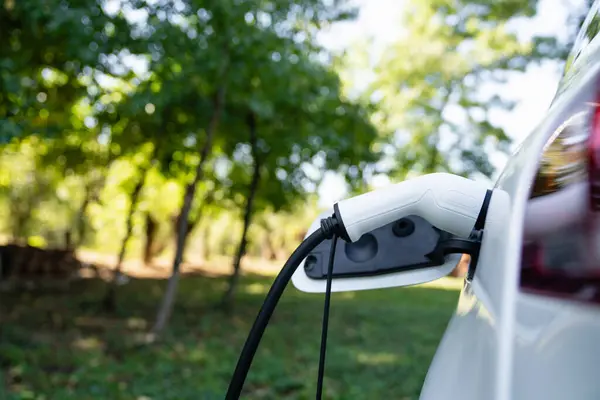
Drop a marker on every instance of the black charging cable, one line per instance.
(325, 325)
(329, 227)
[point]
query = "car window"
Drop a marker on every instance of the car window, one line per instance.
(586, 44)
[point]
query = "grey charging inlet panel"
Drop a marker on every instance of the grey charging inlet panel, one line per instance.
(399, 246)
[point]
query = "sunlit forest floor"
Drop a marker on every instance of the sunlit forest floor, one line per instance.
(59, 345)
(161, 266)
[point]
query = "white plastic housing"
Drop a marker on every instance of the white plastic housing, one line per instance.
(449, 202)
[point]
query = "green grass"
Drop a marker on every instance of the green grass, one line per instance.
(60, 346)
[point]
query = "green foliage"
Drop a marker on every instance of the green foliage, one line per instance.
(268, 71)
(434, 83)
(38, 201)
(105, 90)
(95, 93)
(63, 347)
(108, 94)
(47, 53)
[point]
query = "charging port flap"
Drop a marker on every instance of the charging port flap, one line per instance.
(402, 245)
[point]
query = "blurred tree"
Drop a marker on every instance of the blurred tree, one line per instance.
(435, 84)
(197, 68)
(252, 189)
(134, 199)
(24, 185)
(150, 244)
(297, 131)
(49, 51)
(77, 153)
(53, 56)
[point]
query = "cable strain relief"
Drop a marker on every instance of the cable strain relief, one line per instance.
(330, 226)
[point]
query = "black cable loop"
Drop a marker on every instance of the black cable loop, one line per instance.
(329, 227)
(325, 325)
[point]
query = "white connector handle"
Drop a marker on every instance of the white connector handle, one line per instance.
(449, 202)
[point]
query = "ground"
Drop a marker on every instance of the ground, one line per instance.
(58, 345)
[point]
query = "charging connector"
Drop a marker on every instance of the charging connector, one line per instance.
(447, 201)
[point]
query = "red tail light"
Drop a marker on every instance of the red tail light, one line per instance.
(561, 256)
(593, 159)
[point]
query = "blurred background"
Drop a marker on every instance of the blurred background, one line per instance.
(160, 159)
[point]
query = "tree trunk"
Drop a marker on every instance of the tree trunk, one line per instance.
(268, 248)
(190, 225)
(265, 252)
(81, 231)
(166, 306)
(206, 251)
(68, 241)
(149, 243)
(93, 187)
(227, 301)
(110, 302)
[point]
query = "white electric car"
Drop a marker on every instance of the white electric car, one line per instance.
(527, 324)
